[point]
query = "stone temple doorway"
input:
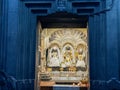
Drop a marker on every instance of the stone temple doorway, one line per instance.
(62, 56)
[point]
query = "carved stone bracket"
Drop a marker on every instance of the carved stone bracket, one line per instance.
(112, 84)
(61, 5)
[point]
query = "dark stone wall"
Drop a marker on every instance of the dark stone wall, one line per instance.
(18, 42)
(104, 32)
(3, 32)
(112, 40)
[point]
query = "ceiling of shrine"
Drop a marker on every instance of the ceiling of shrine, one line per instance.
(63, 11)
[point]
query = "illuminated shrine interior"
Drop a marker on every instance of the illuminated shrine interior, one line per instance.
(63, 50)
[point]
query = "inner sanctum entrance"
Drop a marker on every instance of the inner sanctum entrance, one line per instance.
(62, 58)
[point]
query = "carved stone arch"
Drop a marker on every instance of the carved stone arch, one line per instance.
(53, 55)
(83, 45)
(53, 44)
(71, 50)
(70, 43)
